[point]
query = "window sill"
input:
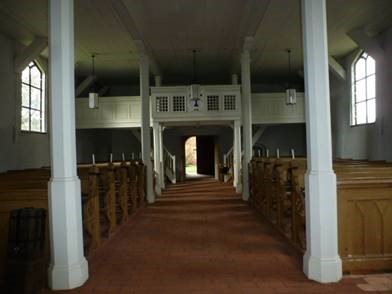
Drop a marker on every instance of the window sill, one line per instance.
(363, 125)
(33, 132)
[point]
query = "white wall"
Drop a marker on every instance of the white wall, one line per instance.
(285, 137)
(102, 142)
(18, 150)
(368, 141)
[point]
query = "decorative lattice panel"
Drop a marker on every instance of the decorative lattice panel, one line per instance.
(212, 102)
(162, 104)
(178, 103)
(229, 102)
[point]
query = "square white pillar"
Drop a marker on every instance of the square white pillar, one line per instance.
(321, 261)
(161, 163)
(68, 268)
(157, 157)
(246, 121)
(146, 124)
(237, 156)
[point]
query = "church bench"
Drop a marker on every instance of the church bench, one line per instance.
(364, 191)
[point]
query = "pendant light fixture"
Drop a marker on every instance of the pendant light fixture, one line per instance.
(195, 101)
(291, 95)
(93, 101)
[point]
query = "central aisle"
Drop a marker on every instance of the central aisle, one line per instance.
(200, 237)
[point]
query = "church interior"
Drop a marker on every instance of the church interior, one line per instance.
(179, 146)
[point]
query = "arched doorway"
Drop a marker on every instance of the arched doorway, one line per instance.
(191, 156)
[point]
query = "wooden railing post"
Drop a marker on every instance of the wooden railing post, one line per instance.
(124, 193)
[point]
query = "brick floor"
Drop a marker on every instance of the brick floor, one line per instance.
(199, 237)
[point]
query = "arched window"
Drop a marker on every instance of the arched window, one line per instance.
(364, 90)
(33, 99)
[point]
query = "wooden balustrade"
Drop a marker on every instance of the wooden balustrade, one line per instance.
(113, 191)
(364, 191)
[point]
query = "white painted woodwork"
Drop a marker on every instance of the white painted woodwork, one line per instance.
(336, 68)
(157, 157)
(246, 116)
(87, 82)
(203, 114)
(234, 79)
(30, 53)
(258, 134)
(161, 162)
(237, 157)
(113, 112)
(124, 112)
(271, 108)
(68, 268)
(321, 260)
(145, 125)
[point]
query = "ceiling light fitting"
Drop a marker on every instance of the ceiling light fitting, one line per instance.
(291, 94)
(93, 99)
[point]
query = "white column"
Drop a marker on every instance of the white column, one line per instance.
(237, 156)
(161, 164)
(68, 268)
(157, 157)
(158, 81)
(321, 261)
(145, 124)
(246, 121)
(234, 79)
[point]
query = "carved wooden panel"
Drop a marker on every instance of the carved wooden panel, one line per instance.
(365, 222)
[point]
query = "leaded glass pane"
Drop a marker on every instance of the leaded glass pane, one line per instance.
(35, 121)
(25, 119)
(370, 66)
(361, 113)
(25, 75)
(35, 77)
(35, 98)
(371, 87)
(25, 96)
(360, 90)
(360, 69)
(371, 109)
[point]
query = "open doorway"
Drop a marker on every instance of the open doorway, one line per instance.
(199, 156)
(191, 156)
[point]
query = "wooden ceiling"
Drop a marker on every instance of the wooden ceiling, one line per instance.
(171, 29)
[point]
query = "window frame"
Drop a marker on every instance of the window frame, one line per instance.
(42, 96)
(354, 81)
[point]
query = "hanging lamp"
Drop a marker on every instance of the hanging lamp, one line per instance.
(291, 94)
(93, 101)
(195, 101)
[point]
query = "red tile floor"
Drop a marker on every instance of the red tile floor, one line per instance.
(199, 237)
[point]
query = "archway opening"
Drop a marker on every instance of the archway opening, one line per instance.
(191, 156)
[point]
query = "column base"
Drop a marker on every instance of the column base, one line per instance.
(68, 277)
(322, 270)
(238, 188)
(68, 268)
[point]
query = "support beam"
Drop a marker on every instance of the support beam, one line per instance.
(103, 91)
(258, 134)
(136, 134)
(237, 156)
(85, 84)
(370, 45)
(336, 68)
(321, 260)
(145, 125)
(162, 167)
(68, 268)
(246, 115)
(30, 53)
(157, 157)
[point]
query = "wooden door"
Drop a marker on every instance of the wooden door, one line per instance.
(205, 155)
